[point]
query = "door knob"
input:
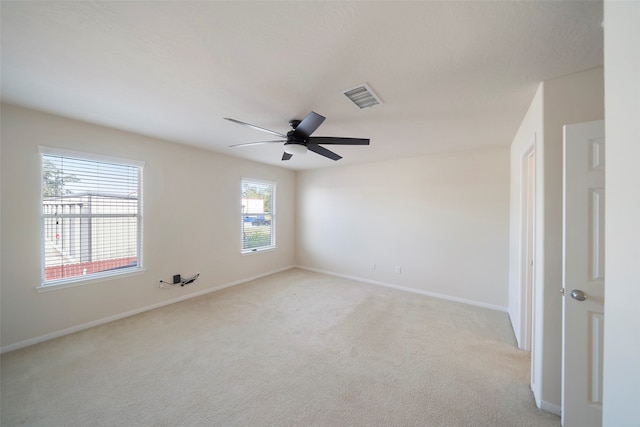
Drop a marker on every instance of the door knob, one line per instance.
(578, 295)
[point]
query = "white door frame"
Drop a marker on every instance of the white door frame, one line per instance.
(529, 306)
(527, 242)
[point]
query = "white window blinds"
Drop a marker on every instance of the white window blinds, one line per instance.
(258, 215)
(91, 217)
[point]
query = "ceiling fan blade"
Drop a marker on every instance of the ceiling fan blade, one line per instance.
(286, 156)
(323, 151)
(308, 125)
(258, 143)
(256, 127)
(338, 141)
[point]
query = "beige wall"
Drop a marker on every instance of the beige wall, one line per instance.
(622, 284)
(570, 99)
(442, 218)
(191, 224)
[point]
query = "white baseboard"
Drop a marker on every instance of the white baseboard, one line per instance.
(550, 407)
(73, 329)
(412, 290)
(102, 321)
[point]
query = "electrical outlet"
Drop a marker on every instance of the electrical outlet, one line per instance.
(373, 266)
(160, 283)
(398, 269)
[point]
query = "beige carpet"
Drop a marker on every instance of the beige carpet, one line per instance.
(293, 349)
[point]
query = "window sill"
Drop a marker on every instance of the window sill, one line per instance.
(80, 281)
(257, 250)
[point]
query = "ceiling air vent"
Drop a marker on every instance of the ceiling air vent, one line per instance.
(362, 96)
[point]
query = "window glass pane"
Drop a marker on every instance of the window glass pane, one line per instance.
(258, 215)
(90, 213)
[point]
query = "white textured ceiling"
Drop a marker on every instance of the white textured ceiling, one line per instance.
(452, 75)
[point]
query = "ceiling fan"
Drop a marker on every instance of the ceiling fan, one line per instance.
(298, 140)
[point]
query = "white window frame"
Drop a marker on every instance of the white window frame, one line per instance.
(46, 285)
(273, 216)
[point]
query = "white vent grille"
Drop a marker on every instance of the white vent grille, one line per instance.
(362, 96)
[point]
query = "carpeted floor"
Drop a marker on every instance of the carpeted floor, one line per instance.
(293, 349)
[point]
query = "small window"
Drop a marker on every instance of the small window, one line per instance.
(91, 217)
(258, 215)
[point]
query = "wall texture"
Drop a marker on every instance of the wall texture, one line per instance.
(442, 219)
(191, 224)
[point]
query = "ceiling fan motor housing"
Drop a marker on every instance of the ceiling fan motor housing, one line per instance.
(292, 139)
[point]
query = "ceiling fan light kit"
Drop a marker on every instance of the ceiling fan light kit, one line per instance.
(294, 148)
(298, 140)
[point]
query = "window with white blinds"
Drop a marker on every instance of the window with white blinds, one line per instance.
(91, 216)
(258, 215)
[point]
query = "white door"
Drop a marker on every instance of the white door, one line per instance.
(583, 274)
